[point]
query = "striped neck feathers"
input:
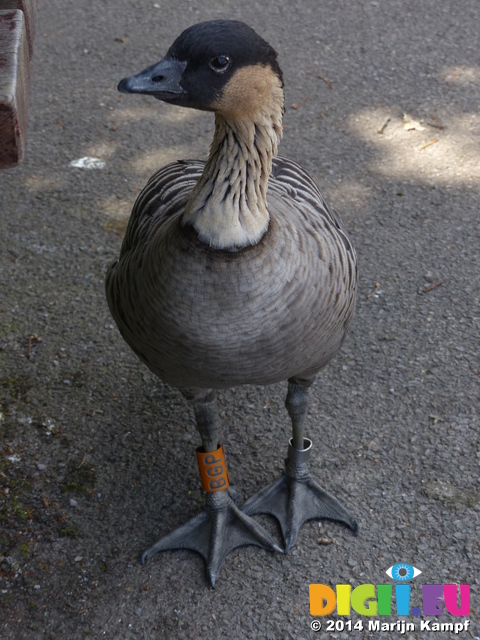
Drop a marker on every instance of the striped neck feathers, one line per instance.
(228, 205)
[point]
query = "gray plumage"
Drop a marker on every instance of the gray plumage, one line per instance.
(200, 317)
(234, 271)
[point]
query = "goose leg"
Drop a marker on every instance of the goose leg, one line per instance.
(296, 497)
(221, 526)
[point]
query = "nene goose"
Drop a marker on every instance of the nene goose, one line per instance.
(234, 271)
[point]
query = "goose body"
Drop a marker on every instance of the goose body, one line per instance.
(234, 271)
(213, 318)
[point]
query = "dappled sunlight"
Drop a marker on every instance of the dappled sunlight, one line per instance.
(102, 150)
(151, 161)
(36, 183)
(442, 150)
(116, 207)
(462, 75)
(117, 210)
(349, 195)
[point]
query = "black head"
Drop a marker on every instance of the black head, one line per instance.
(202, 62)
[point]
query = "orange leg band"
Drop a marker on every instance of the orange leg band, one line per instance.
(213, 469)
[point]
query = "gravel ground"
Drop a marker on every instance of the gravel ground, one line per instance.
(97, 456)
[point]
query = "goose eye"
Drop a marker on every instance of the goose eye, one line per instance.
(220, 64)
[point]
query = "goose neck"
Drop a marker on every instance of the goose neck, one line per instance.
(228, 205)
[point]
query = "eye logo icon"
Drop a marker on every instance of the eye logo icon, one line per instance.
(402, 572)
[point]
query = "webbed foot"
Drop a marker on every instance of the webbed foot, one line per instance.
(296, 497)
(217, 530)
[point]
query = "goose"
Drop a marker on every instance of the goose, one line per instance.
(234, 271)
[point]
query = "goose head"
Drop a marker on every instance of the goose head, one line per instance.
(221, 65)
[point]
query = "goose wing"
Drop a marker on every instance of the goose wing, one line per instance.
(297, 184)
(165, 194)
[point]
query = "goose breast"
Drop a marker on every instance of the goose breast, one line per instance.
(216, 319)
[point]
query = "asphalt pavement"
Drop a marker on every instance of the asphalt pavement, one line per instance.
(97, 455)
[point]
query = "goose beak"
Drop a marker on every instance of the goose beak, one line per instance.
(161, 80)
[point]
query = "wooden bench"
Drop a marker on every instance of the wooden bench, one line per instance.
(17, 33)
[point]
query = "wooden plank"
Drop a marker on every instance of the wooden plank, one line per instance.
(29, 8)
(14, 87)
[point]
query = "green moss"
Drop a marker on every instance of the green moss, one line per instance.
(80, 478)
(12, 505)
(74, 486)
(18, 508)
(18, 485)
(70, 532)
(9, 328)
(16, 386)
